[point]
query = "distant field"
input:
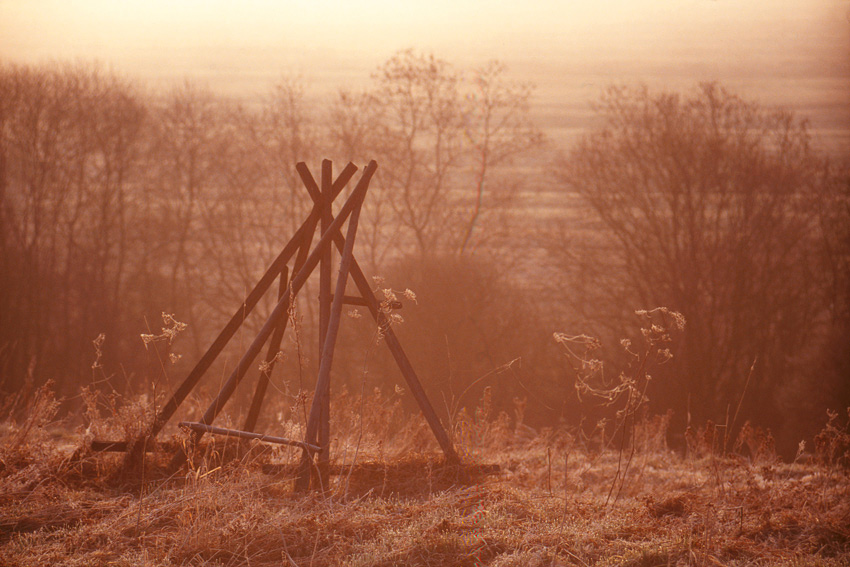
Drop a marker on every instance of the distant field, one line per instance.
(564, 104)
(814, 82)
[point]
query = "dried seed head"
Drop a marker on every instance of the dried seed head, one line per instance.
(389, 295)
(98, 342)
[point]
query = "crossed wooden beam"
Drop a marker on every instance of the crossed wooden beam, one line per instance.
(317, 438)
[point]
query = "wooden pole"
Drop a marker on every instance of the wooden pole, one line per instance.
(292, 290)
(300, 258)
(323, 394)
(248, 435)
(308, 226)
(318, 411)
(395, 348)
(401, 359)
(271, 359)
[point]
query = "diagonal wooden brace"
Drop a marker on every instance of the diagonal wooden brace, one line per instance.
(280, 309)
(307, 227)
(271, 360)
(393, 344)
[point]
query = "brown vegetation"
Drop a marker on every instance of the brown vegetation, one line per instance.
(548, 504)
(714, 206)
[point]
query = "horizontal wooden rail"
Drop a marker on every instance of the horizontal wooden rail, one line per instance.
(248, 435)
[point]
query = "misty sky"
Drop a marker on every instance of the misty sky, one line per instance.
(794, 53)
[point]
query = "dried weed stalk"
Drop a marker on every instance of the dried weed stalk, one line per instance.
(629, 392)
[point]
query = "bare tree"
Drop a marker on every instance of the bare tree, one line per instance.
(704, 201)
(444, 143)
(353, 135)
(69, 145)
(420, 144)
(498, 128)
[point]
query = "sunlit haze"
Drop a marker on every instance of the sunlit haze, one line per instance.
(794, 53)
(424, 282)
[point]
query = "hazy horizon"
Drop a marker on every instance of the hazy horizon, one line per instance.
(789, 53)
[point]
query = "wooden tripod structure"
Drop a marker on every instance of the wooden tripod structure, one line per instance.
(317, 439)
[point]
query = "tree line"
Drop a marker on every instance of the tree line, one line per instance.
(118, 205)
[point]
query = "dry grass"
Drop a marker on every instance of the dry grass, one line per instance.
(234, 504)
